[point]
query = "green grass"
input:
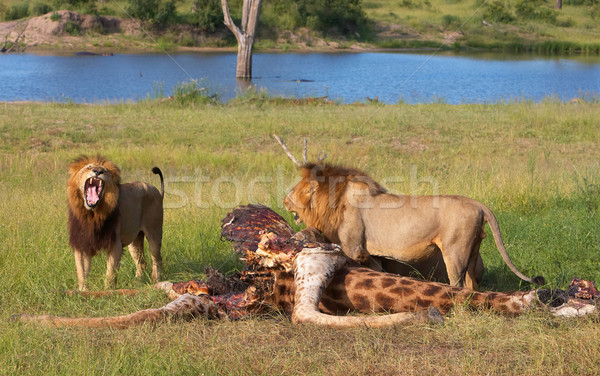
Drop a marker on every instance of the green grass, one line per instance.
(535, 165)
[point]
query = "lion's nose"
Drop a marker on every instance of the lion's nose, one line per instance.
(97, 171)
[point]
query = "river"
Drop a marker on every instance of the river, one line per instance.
(346, 77)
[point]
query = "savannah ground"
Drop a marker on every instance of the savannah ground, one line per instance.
(535, 165)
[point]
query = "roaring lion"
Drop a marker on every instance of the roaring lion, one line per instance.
(436, 235)
(105, 214)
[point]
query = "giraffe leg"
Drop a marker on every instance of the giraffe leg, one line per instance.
(185, 307)
(313, 270)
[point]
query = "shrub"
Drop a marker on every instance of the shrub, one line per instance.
(55, 17)
(72, 28)
(569, 22)
(17, 11)
(595, 12)
(345, 16)
(157, 12)
(581, 2)
(41, 8)
(535, 10)
(451, 22)
(207, 14)
(498, 11)
(193, 91)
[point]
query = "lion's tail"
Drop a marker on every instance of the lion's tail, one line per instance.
(490, 218)
(158, 172)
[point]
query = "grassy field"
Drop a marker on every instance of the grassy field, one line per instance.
(535, 165)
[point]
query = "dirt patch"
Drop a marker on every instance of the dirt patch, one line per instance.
(69, 29)
(411, 145)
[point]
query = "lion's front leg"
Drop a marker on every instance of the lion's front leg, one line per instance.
(82, 264)
(113, 261)
(352, 242)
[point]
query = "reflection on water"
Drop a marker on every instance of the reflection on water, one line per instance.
(348, 77)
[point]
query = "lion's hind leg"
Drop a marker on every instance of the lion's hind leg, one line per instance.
(155, 243)
(136, 249)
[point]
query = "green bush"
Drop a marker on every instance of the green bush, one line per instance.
(498, 11)
(451, 22)
(535, 10)
(157, 12)
(595, 12)
(72, 28)
(41, 8)
(55, 17)
(569, 22)
(207, 14)
(581, 2)
(17, 11)
(328, 16)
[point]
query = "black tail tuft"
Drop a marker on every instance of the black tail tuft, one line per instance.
(539, 280)
(158, 172)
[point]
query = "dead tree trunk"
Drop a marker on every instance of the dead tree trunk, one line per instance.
(244, 35)
(558, 4)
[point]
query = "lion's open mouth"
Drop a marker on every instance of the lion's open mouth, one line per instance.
(93, 191)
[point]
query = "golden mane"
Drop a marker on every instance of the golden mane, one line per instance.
(110, 197)
(324, 209)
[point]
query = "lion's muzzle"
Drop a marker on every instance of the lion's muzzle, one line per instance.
(93, 191)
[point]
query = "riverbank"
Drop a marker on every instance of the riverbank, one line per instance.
(572, 32)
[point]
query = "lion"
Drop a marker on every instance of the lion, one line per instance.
(437, 236)
(107, 214)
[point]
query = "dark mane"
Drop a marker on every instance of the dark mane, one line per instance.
(326, 174)
(325, 210)
(91, 236)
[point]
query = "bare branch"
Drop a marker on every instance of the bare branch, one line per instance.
(287, 151)
(229, 22)
(322, 155)
(305, 153)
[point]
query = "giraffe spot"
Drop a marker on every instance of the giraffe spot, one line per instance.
(361, 303)
(384, 301)
(332, 306)
(373, 274)
(406, 282)
(282, 290)
(424, 303)
(387, 282)
(432, 290)
(399, 290)
(365, 284)
(340, 276)
(516, 307)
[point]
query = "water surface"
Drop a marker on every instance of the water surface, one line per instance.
(348, 77)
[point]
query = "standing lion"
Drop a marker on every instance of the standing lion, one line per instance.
(105, 214)
(438, 235)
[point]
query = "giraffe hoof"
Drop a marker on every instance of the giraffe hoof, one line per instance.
(17, 317)
(435, 316)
